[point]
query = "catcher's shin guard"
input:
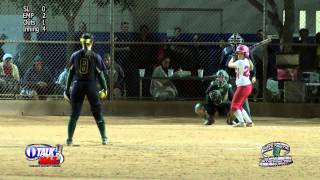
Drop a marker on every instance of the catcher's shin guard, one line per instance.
(203, 114)
(209, 120)
(200, 110)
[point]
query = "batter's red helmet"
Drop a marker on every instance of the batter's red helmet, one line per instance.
(243, 49)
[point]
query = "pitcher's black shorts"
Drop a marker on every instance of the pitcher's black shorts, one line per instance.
(81, 89)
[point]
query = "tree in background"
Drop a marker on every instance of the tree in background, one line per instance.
(124, 4)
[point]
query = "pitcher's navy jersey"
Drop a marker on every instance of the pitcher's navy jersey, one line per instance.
(86, 65)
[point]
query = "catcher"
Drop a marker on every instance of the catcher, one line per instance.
(218, 97)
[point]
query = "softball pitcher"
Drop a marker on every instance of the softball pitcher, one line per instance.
(85, 67)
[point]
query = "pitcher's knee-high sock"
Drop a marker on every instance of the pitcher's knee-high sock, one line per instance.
(239, 116)
(101, 124)
(246, 116)
(72, 125)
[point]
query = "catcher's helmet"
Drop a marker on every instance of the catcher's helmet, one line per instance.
(222, 73)
(86, 38)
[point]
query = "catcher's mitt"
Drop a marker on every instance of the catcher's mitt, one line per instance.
(215, 97)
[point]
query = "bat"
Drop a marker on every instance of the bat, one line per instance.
(258, 44)
(261, 43)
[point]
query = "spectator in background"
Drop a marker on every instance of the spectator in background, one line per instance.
(168, 50)
(9, 79)
(198, 55)
(162, 52)
(2, 38)
(162, 88)
(216, 51)
(307, 55)
(118, 76)
(37, 79)
(62, 81)
(143, 57)
(149, 51)
(178, 54)
(124, 35)
(26, 52)
(124, 27)
(8, 69)
(257, 54)
(177, 34)
(123, 51)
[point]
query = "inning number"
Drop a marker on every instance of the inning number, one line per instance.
(44, 16)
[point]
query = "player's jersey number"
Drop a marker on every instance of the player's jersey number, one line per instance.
(84, 66)
(245, 71)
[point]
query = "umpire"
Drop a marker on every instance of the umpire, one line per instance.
(85, 67)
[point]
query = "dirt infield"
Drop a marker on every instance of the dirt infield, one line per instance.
(160, 148)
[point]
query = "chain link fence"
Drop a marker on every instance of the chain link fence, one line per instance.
(40, 36)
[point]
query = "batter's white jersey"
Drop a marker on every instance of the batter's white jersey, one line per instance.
(243, 72)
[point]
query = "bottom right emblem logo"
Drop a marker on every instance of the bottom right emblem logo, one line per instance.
(275, 154)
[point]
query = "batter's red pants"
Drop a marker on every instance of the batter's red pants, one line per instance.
(240, 96)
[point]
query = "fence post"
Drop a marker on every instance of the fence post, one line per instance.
(111, 49)
(265, 52)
